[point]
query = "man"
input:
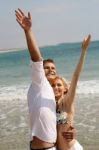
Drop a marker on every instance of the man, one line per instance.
(41, 99)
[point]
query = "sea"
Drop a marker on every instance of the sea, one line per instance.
(15, 79)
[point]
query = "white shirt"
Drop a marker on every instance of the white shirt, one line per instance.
(42, 106)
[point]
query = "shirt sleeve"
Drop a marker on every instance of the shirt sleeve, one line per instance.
(37, 71)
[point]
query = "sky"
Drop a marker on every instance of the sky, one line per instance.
(54, 21)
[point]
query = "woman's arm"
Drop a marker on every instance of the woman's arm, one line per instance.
(26, 23)
(69, 98)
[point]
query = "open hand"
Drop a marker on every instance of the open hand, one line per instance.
(24, 21)
(86, 42)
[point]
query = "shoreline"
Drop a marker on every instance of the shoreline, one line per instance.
(11, 50)
(44, 46)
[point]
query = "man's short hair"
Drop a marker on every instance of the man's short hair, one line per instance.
(48, 61)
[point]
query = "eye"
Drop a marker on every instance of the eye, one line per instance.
(46, 67)
(53, 68)
(59, 85)
(53, 85)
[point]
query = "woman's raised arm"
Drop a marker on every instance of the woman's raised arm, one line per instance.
(72, 89)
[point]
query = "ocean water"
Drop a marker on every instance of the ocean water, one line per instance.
(15, 78)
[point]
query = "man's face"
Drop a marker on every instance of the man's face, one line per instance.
(50, 70)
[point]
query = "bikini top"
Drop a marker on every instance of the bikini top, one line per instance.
(61, 116)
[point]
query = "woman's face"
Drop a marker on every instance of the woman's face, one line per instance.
(58, 88)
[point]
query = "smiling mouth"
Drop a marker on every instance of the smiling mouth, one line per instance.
(53, 73)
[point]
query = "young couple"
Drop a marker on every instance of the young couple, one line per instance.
(50, 99)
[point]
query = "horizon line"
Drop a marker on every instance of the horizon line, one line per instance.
(42, 46)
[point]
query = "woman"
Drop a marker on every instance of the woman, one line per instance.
(65, 103)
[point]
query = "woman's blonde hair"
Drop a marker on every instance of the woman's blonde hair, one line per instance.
(64, 81)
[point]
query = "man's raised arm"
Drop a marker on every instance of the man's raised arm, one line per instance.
(26, 23)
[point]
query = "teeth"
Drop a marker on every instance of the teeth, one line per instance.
(51, 74)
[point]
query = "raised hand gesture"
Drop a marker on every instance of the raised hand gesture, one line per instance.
(24, 21)
(86, 42)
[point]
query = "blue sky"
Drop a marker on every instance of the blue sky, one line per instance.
(54, 21)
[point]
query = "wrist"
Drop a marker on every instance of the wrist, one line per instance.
(28, 30)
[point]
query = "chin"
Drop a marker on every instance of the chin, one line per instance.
(56, 96)
(51, 78)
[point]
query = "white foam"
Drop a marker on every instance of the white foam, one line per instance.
(12, 50)
(88, 87)
(13, 92)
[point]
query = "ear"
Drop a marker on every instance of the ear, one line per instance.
(65, 91)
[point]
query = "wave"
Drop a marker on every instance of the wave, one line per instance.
(86, 88)
(13, 92)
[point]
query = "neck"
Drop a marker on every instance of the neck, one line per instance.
(59, 100)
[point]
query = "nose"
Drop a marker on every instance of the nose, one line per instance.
(50, 69)
(55, 87)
